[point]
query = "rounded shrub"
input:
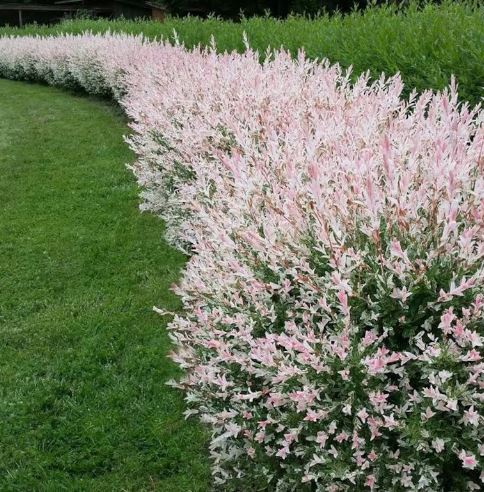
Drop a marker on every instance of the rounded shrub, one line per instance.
(333, 329)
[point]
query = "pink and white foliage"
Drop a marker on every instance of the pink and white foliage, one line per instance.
(94, 63)
(332, 333)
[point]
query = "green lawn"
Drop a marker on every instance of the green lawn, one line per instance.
(83, 362)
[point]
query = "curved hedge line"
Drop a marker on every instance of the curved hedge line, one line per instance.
(333, 306)
(427, 42)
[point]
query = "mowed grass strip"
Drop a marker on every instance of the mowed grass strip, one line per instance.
(83, 400)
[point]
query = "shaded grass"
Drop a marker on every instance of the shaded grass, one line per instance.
(426, 42)
(83, 363)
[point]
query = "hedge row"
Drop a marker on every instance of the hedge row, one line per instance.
(332, 331)
(426, 44)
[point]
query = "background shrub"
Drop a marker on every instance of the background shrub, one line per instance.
(425, 44)
(281, 8)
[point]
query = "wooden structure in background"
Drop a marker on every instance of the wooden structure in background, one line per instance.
(129, 9)
(21, 13)
(158, 12)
